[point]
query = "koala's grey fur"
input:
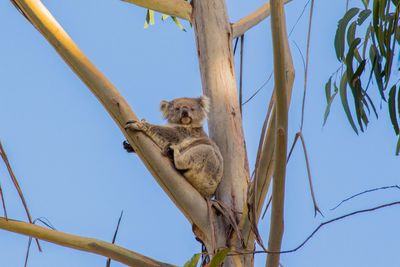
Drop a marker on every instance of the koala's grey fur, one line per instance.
(193, 152)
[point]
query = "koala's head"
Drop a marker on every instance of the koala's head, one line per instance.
(186, 111)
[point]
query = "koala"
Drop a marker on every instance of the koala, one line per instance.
(183, 139)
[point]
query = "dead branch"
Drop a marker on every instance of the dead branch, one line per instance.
(176, 8)
(91, 245)
(246, 23)
(17, 187)
(108, 263)
(185, 197)
(365, 192)
(315, 231)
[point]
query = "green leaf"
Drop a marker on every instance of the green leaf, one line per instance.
(377, 69)
(193, 261)
(371, 103)
(328, 89)
(178, 23)
(392, 109)
(398, 147)
(366, 39)
(328, 108)
(343, 97)
(351, 32)
(363, 16)
(151, 17)
(164, 17)
(349, 59)
(329, 98)
(366, 3)
(219, 258)
(340, 32)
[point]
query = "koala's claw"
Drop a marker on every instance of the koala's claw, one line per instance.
(134, 125)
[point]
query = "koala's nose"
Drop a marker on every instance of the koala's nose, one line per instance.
(185, 111)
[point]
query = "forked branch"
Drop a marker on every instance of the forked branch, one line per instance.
(244, 24)
(91, 245)
(185, 197)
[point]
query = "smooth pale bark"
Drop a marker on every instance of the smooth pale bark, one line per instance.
(251, 20)
(91, 245)
(279, 37)
(185, 197)
(213, 39)
(177, 8)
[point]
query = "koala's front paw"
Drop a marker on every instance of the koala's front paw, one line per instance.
(135, 125)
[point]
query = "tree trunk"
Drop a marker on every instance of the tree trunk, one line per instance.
(214, 48)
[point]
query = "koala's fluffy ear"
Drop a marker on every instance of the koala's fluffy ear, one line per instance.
(164, 106)
(204, 103)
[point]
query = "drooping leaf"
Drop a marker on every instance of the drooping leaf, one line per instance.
(328, 106)
(349, 59)
(351, 32)
(366, 3)
(164, 17)
(149, 18)
(340, 32)
(193, 261)
(328, 89)
(366, 39)
(177, 22)
(398, 147)
(343, 97)
(372, 104)
(392, 109)
(219, 257)
(364, 14)
(377, 69)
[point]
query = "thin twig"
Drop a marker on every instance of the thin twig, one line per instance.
(259, 89)
(266, 208)
(3, 202)
(315, 203)
(316, 208)
(235, 46)
(115, 236)
(44, 221)
(315, 231)
(364, 192)
(298, 18)
(307, 61)
(17, 187)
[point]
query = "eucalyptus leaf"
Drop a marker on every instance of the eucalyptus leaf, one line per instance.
(219, 257)
(343, 97)
(363, 16)
(177, 22)
(193, 261)
(340, 32)
(392, 109)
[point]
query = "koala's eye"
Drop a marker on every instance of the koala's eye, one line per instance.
(176, 109)
(192, 109)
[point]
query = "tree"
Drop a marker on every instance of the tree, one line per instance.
(193, 214)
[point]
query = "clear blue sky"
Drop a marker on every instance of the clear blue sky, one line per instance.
(67, 153)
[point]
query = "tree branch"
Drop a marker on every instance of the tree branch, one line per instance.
(176, 8)
(279, 37)
(91, 245)
(185, 197)
(246, 23)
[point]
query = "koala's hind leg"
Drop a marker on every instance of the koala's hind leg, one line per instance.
(201, 167)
